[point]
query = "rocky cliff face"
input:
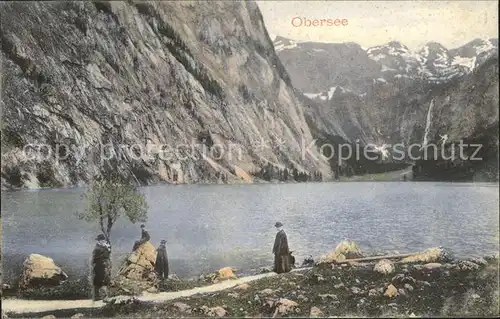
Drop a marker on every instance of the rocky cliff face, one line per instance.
(393, 104)
(463, 111)
(201, 78)
(394, 113)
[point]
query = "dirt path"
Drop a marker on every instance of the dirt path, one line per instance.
(20, 306)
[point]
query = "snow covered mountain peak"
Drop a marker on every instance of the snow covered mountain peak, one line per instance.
(326, 65)
(433, 61)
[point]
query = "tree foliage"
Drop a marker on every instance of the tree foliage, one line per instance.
(269, 172)
(110, 196)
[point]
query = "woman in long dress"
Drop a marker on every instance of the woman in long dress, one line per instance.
(281, 251)
(161, 265)
(101, 265)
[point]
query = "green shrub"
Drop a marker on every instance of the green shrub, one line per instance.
(69, 290)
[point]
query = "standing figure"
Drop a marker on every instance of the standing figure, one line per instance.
(292, 259)
(161, 265)
(281, 251)
(144, 237)
(101, 265)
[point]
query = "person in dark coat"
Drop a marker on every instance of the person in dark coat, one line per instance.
(101, 265)
(281, 251)
(161, 265)
(144, 237)
(292, 259)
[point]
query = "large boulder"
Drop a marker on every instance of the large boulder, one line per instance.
(226, 273)
(137, 273)
(40, 270)
(347, 249)
(391, 291)
(315, 312)
(430, 255)
(285, 306)
(214, 311)
(182, 307)
(223, 274)
(384, 266)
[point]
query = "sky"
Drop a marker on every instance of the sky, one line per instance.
(370, 23)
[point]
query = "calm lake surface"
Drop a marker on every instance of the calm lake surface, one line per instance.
(211, 226)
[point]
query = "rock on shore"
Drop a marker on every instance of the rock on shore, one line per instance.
(347, 249)
(137, 272)
(456, 288)
(40, 270)
(225, 273)
(384, 266)
(429, 255)
(445, 288)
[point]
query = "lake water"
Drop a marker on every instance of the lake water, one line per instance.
(211, 226)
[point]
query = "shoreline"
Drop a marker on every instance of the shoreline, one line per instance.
(389, 176)
(353, 179)
(194, 277)
(81, 275)
(353, 289)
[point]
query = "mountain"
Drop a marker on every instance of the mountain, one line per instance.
(185, 78)
(316, 67)
(393, 105)
(475, 52)
(465, 111)
(395, 59)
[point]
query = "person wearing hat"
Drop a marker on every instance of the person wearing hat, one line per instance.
(101, 265)
(281, 251)
(144, 237)
(161, 265)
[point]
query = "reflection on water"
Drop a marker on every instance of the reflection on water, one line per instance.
(208, 227)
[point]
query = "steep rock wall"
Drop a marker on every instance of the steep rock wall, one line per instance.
(199, 77)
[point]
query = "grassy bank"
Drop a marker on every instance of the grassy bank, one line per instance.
(458, 288)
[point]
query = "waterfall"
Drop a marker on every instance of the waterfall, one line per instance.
(428, 124)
